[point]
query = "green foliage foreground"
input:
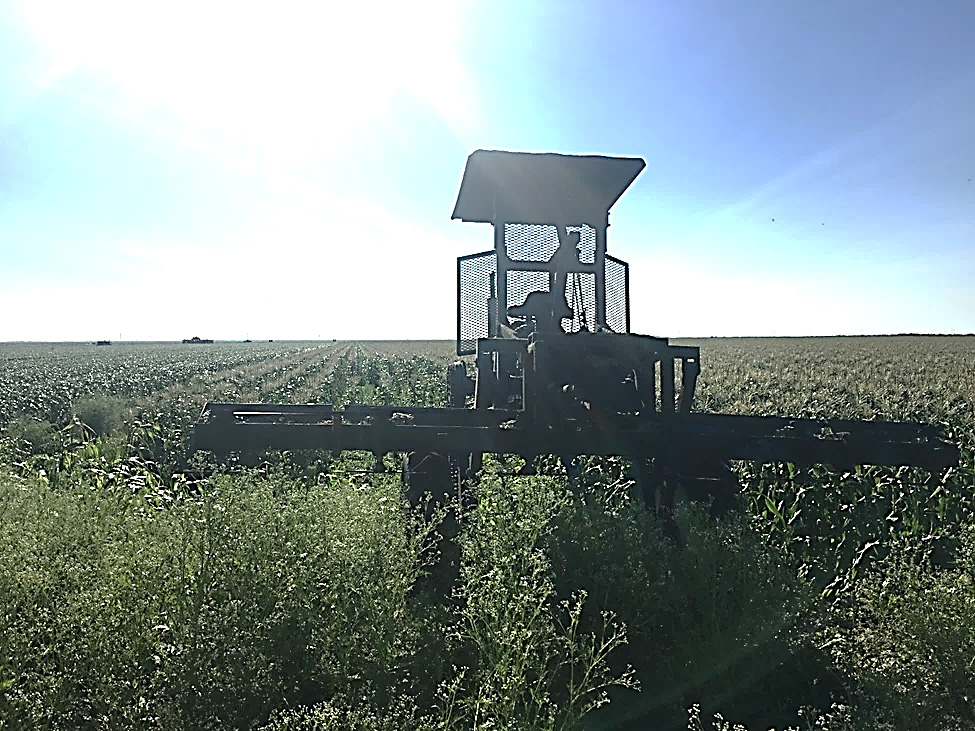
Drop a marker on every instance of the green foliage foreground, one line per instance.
(210, 613)
(229, 607)
(255, 601)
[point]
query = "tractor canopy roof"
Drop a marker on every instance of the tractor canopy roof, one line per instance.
(530, 187)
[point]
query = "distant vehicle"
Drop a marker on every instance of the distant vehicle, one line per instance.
(195, 340)
(103, 342)
(248, 340)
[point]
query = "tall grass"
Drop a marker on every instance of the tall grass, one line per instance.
(208, 614)
(227, 608)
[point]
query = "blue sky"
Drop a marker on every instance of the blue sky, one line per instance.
(287, 170)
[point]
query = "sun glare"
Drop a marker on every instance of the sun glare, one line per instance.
(284, 74)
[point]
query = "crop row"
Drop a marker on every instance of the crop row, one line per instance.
(169, 384)
(44, 380)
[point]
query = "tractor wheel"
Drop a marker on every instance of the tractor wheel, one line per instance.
(667, 482)
(425, 473)
(432, 480)
(711, 481)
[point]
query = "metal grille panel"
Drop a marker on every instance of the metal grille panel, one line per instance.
(538, 242)
(474, 284)
(617, 294)
(473, 291)
(530, 242)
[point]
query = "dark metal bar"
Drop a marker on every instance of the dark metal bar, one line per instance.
(761, 439)
(492, 306)
(544, 266)
(626, 287)
(249, 414)
(647, 384)
(689, 370)
(503, 263)
(667, 385)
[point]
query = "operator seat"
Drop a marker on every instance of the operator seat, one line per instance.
(540, 312)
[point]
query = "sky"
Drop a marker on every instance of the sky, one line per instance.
(287, 170)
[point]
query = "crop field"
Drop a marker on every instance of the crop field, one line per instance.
(143, 586)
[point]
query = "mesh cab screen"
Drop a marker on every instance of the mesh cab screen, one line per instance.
(538, 242)
(530, 241)
(617, 294)
(527, 243)
(474, 274)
